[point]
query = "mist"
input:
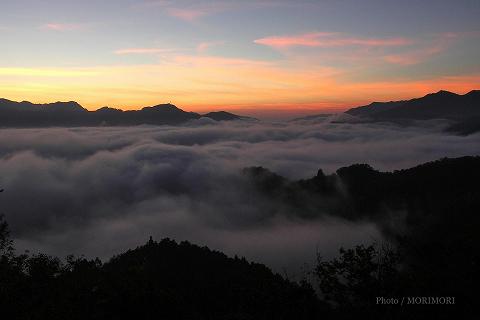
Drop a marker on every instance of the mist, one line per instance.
(99, 191)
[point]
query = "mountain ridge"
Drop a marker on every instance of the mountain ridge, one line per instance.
(439, 105)
(462, 112)
(71, 113)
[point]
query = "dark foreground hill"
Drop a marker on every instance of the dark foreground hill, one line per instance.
(430, 212)
(428, 215)
(163, 280)
(464, 110)
(66, 114)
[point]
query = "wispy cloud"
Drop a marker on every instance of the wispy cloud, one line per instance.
(328, 39)
(399, 51)
(187, 14)
(307, 40)
(62, 27)
(413, 57)
(202, 47)
(428, 49)
(191, 11)
(142, 51)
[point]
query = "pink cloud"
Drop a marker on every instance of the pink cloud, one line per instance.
(373, 42)
(438, 44)
(193, 10)
(141, 51)
(308, 40)
(62, 27)
(187, 14)
(204, 46)
(328, 39)
(414, 57)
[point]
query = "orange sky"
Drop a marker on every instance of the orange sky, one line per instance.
(251, 57)
(204, 83)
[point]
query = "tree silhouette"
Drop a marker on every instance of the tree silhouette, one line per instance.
(163, 279)
(435, 253)
(359, 275)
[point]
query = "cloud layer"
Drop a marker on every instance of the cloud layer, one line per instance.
(329, 39)
(98, 191)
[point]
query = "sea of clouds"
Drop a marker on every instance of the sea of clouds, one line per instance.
(99, 191)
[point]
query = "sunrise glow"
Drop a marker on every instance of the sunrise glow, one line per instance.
(149, 52)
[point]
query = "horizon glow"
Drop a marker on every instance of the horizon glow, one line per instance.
(259, 58)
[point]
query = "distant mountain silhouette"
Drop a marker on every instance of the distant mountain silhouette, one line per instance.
(464, 110)
(358, 191)
(225, 116)
(27, 114)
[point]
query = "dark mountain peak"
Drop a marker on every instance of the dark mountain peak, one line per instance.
(219, 113)
(264, 179)
(473, 93)
(5, 103)
(374, 107)
(222, 116)
(56, 106)
(163, 107)
(26, 114)
(377, 103)
(445, 92)
(3, 100)
(442, 94)
(70, 113)
(63, 106)
(108, 110)
(356, 170)
(462, 109)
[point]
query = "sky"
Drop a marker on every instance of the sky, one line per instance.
(261, 58)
